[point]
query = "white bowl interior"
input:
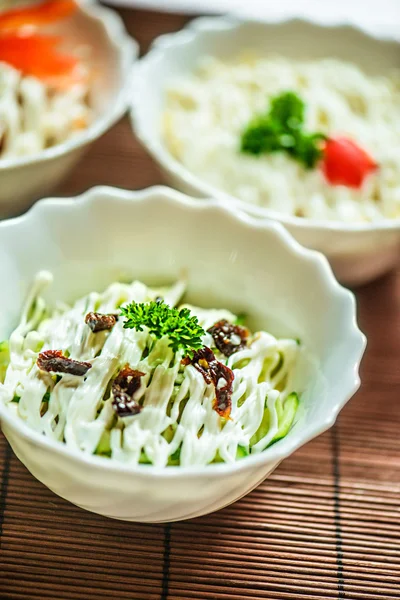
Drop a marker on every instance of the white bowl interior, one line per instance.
(230, 261)
(101, 52)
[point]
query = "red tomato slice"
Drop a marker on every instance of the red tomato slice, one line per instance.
(345, 163)
(36, 55)
(37, 15)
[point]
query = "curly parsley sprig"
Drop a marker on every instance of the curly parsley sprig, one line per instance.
(281, 130)
(180, 326)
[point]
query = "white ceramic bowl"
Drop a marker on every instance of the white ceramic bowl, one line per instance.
(359, 252)
(232, 260)
(112, 52)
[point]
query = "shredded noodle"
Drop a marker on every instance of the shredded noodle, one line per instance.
(207, 111)
(34, 116)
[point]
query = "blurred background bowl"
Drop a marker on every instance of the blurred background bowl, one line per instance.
(358, 252)
(111, 52)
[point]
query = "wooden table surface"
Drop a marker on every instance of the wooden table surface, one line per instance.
(325, 525)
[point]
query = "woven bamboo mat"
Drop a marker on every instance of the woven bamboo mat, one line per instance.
(326, 524)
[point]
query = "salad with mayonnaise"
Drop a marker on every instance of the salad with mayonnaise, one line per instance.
(134, 375)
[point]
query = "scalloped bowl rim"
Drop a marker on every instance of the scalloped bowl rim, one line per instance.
(277, 452)
(163, 157)
(128, 50)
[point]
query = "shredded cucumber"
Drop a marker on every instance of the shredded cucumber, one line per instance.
(174, 459)
(4, 360)
(286, 418)
(241, 452)
(104, 447)
(262, 430)
(144, 459)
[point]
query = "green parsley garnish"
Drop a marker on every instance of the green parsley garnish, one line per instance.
(180, 326)
(281, 130)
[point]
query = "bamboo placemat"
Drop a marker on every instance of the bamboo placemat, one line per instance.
(326, 524)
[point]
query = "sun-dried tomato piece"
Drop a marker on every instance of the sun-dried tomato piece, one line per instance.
(214, 371)
(203, 361)
(98, 322)
(54, 361)
(223, 378)
(229, 338)
(123, 388)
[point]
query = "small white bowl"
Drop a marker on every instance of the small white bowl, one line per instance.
(232, 260)
(359, 252)
(112, 52)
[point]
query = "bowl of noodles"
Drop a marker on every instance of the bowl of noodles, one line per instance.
(151, 373)
(290, 120)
